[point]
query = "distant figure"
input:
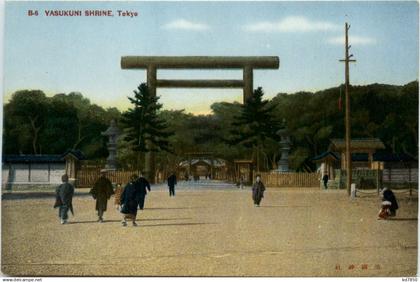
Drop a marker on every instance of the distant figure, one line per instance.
(186, 177)
(129, 201)
(142, 185)
(241, 182)
(389, 204)
(209, 175)
(258, 191)
(118, 192)
(171, 184)
(64, 197)
(325, 180)
(101, 192)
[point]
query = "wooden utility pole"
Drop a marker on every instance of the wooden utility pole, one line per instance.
(347, 60)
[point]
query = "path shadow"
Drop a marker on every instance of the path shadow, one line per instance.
(187, 208)
(187, 195)
(116, 220)
(403, 219)
(93, 221)
(284, 206)
(176, 224)
(153, 219)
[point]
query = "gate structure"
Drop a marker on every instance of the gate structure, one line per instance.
(153, 63)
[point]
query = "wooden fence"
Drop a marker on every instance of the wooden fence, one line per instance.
(87, 177)
(289, 179)
(400, 175)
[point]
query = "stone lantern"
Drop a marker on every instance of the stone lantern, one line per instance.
(285, 146)
(112, 132)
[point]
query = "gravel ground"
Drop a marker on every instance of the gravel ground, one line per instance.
(212, 232)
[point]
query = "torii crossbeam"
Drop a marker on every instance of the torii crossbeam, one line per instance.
(247, 64)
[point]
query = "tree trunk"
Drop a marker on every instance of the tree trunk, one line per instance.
(138, 164)
(35, 134)
(266, 161)
(273, 161)
(79, 136)
(258, 157)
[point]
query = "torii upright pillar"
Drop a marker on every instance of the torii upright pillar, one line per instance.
(153, 63)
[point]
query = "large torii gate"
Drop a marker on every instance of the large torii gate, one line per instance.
(153, 63)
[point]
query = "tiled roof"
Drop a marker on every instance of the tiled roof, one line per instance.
(361, 143)
(33, 159)
(43, 158)
(76, 153)
(363, 157)
(326, 154)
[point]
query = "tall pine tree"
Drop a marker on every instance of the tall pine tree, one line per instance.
(255, 125)
(144, 129)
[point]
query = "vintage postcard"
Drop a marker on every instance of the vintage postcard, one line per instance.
(210, 139)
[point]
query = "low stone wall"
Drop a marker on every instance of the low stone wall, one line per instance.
(28, 187)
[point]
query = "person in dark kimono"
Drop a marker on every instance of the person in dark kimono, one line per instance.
(171, 184)
(142, 186)
(101, 192)
(64, 197)
(325, 180)
(258, 191)
(129, 201)
(389, 204)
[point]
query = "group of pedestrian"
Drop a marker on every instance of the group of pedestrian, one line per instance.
(131, 198)
(127, 200)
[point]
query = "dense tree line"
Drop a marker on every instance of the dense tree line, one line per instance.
(35, 123)
(387, 112)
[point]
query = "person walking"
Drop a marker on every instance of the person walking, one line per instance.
(258, 191)
(241, 182)
(142, 186)
(64, 197)
(101, 192)
(325, 180)
(129, 202)
(171, 184)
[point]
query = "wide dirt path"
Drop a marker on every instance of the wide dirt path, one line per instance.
(296, 232)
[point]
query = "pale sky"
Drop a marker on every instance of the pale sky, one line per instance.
(65, 54)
